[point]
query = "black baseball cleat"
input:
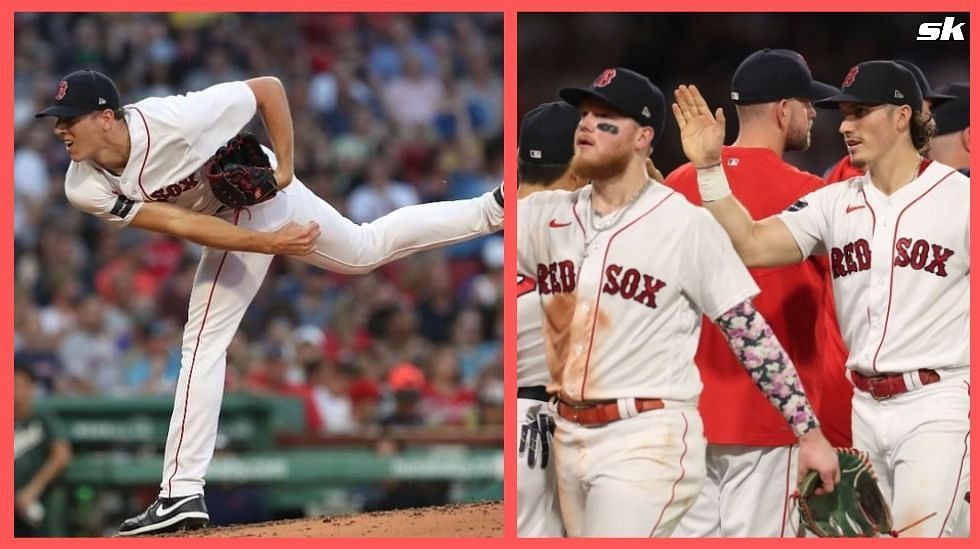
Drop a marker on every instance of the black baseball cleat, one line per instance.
(168, 515)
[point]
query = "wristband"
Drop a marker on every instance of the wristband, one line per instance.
(713, 183)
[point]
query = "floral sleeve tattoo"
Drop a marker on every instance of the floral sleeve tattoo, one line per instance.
(752, 340)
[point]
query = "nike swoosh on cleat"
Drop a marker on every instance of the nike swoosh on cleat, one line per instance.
(163, 511)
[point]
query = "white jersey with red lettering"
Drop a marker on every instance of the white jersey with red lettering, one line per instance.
(900, 265)
(622, 305)
(171, 139)
(622, 298)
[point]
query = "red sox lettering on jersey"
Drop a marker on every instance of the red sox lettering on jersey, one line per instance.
(617, 308)
(914, 253)
(174, 190)
(894, 312)
(170, 141)
(627, 283)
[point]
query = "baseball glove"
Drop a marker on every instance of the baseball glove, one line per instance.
(240, 174)
(855, 508)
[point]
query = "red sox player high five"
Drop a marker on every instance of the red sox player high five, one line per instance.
(141, 165)
(625, 267)
(898, 242)
(751, 450)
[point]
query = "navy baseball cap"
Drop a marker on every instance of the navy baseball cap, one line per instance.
(877, 83)
(954, 114)
(628, 92)
(82, 92)
(774, 74)
(547, 133)
(927, 92)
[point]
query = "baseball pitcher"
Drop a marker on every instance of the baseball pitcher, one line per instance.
(179, 166)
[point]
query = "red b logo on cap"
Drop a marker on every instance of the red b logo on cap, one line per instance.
(62, 90)
(605, 78)
(851, 75)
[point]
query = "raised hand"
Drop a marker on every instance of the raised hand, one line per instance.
(702, 135)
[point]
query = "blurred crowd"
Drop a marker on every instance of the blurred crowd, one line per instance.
(389, 110)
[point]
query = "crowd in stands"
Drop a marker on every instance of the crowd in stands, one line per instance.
(389, 110)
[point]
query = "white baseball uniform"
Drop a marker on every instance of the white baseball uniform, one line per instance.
(538, 514)
(900, 268)
(622, 312)
(171, 139)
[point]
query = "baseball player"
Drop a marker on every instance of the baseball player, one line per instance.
(845, 169)
(898, 243)
(625, 267)
(951, 145)
(141, 165)
(544, 152)
(751, 450)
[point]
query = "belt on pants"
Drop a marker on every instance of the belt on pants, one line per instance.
(537, 392)
(601, 413)
(886, 386)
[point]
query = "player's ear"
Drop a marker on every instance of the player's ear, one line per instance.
(644, 138)
(903, 118)
(782, 113)
(965, 138)
(106, 118)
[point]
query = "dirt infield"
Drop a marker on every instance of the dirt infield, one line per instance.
(472, 520)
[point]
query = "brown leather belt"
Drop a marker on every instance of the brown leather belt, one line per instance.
(887, 386)
(601, 413)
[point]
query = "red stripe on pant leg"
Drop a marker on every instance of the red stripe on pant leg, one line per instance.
(959, 475)
(789, 465)
(673, 489)
(190, 374)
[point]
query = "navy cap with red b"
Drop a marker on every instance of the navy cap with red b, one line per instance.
(628, 92)
(877, 83)
(82, 92)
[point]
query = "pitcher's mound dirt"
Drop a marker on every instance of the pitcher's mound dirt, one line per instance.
(471, 520)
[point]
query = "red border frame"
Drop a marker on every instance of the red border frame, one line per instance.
(510, 9)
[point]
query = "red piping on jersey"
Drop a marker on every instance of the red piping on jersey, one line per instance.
(966, 449)
(673, 489)
(786, 493)
(891, 258)
(874, 226)
(595, 307)
(190, 373)
(578, 219)
(146, 156)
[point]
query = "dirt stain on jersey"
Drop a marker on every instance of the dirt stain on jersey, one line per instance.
(571, 329)
(558, 312)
